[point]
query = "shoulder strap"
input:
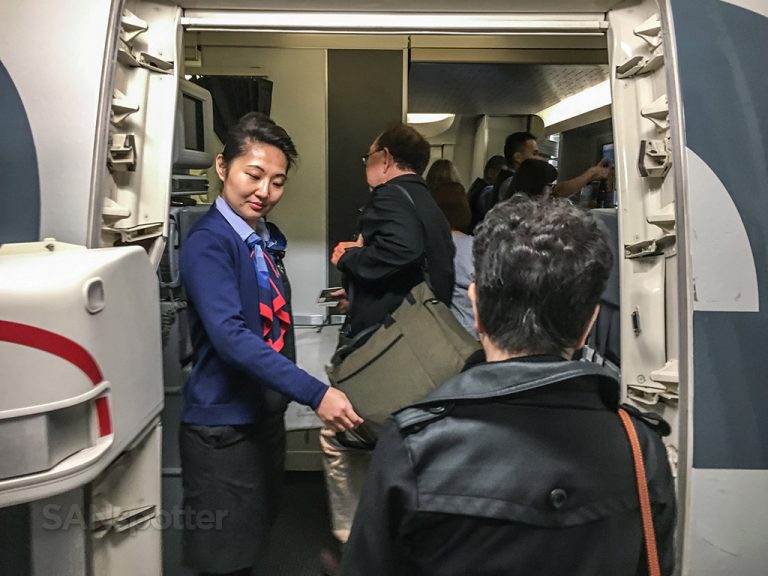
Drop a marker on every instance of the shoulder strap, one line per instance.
(602, 333)
(651, 553)
(425, 262)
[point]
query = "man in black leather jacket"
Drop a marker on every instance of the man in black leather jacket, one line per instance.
(519, 465)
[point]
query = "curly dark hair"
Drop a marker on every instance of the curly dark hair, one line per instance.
(540, 269)
(257, 127)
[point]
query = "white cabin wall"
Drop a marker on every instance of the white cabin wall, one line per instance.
(299, 105)
(492, 131)
(463, 151)
(456, 144)
(480, 148)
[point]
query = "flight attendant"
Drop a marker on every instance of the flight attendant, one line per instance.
(232, 437)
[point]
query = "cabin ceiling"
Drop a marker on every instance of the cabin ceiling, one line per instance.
(495, 75)
(496, 89)
(450, 6)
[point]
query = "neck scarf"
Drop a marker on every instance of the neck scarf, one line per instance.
(273, 307)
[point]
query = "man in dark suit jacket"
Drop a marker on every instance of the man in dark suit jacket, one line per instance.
(401, 234)
(400, 230)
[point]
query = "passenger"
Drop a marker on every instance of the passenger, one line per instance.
(401, 232)
(519, 147)
(480, 191)
(442, 170)
(519, 465)
(534, 178)
(452, 200)
(232, 436)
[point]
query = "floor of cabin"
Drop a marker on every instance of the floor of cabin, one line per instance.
(302, 529)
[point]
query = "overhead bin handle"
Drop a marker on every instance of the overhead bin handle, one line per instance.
(638, 65)
(131, 26)
(95, 392)
(122, 152)
(126, 56)
(78, 448)
(118, 520)
(650, 31)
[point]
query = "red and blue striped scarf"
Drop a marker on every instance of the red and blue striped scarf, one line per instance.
(273, 307)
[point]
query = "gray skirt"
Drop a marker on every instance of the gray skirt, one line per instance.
(232, 477)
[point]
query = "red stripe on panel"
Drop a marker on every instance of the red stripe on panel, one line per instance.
(69, 350)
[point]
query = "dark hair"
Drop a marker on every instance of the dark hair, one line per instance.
(409, 148)
(532, 176)
(515, 142)
(441, 171)
(451, 198)
(257, 127)
(540, 269)
(495, 163)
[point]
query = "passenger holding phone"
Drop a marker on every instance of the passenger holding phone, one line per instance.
(519, 147)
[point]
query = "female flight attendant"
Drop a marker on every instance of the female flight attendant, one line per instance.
(232, 436)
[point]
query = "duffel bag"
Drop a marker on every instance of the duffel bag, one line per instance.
(417, 348)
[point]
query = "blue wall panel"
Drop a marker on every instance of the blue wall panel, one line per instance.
(722, 51)
(19, 177)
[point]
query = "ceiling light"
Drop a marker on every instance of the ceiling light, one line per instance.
(578, 104)
(426, 118)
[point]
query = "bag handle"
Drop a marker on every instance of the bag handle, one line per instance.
(651, 553)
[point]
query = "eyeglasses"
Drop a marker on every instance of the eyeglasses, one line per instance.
(366, 156)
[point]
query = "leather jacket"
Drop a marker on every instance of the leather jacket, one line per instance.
(513, 467)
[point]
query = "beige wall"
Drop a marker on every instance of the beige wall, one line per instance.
(299, 105)
(463, 152)
(492, 131)
(455, 144)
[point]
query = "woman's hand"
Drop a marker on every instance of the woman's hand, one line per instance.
(336, 411)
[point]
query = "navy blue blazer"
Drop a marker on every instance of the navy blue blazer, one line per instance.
(233, 366)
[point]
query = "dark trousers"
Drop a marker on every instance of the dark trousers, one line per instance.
(232, 477)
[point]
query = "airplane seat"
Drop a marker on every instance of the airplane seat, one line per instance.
(605, 338)
(180, 220)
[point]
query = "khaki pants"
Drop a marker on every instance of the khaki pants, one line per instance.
(345, 472)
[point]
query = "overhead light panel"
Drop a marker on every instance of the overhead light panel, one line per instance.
(391, 23)
(586, 101)
(425, 118)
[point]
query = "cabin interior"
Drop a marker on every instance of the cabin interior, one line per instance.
(581, 76)
(334, 92)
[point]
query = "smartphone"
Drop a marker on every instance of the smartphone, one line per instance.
(325, 298)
